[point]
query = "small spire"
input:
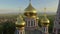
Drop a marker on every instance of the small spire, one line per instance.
(45, 12)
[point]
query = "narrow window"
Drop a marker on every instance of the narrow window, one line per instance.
(28, 23)
(32, 23)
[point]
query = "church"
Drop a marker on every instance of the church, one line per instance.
(28, 24)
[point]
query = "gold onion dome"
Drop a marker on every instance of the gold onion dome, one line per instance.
(31, 10)
(45, 20)
(20, 23)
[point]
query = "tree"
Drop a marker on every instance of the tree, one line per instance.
(1, 28)
(9, 28)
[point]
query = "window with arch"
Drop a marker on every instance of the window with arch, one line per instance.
(32, 22)
(28, 23)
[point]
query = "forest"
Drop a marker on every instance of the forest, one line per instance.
(9, 27)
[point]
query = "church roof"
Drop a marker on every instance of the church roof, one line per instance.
(30, 8)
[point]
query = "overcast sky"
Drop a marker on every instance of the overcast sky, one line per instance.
(9, 6)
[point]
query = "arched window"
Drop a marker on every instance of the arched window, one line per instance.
(44, 29)
(28, 23)
(32, 22)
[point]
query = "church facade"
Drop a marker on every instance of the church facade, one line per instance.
(31, 22)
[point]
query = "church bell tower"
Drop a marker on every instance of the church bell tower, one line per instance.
(56, 28)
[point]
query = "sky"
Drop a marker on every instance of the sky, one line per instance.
(16, 6)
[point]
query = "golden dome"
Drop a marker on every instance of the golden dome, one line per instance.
(20, 23)
(31, 10)
(45, 21)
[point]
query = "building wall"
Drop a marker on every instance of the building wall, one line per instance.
(31, 23)
(56, 28)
